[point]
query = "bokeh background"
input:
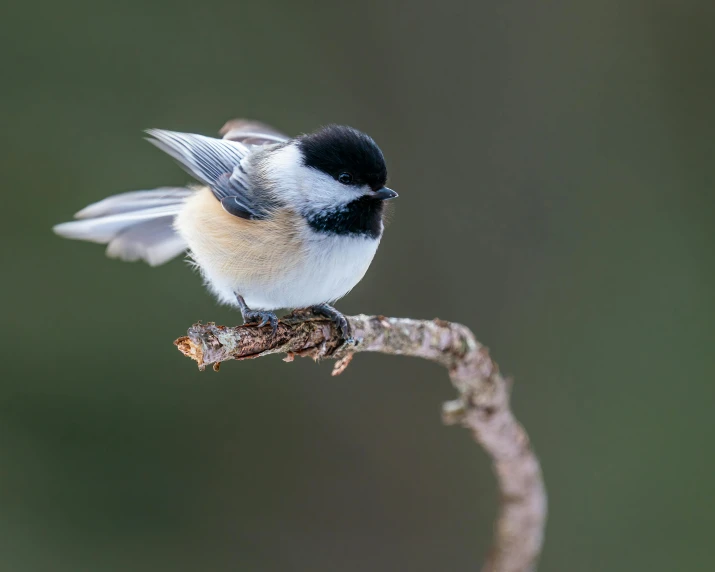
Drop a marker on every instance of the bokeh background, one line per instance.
(555, 168)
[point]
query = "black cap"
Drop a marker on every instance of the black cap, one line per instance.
(338, 149)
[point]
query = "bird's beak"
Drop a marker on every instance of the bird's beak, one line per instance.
(385, 194)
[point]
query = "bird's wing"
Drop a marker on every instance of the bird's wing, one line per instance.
(218, 164)
(250, 132)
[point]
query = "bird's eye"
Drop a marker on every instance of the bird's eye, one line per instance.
(345, 178)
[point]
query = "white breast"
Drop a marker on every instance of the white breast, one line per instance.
(331, 266)
(274, 264)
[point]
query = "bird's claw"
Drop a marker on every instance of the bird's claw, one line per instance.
(261, 319)
(337, 318)
(343, 326)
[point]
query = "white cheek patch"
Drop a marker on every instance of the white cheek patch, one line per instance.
(323, 193)
(280, 170)
(306, 189)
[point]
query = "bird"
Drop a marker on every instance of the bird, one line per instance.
(272, 221)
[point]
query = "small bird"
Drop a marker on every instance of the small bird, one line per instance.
(275, 222)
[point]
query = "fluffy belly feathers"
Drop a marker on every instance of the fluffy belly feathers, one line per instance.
(276, 263)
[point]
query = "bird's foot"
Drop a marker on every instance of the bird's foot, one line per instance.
(257, 316)
(327, 311)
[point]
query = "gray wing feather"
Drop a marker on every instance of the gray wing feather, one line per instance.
(104, 228)
(217, 163)
(135, 201)
(250, 132)
(154, 241)
(135, 225)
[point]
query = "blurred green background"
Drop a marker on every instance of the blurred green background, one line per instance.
(555, 168)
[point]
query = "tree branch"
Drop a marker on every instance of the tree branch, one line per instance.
(482, 405)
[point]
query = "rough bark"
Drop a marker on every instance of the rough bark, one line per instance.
(482, 404)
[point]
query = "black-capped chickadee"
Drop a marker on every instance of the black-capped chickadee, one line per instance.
(278, 222)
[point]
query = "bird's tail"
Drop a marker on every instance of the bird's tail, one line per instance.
(138, 225)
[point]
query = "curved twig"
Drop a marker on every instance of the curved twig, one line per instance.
(482, 405)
